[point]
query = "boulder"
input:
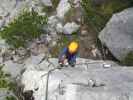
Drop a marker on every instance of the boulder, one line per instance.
(118, 34)
(70, 28)
(88, 80)
(63, 8)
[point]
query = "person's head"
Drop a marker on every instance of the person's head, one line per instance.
(73, 47)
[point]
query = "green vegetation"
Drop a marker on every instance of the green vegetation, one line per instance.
(55, 3)
(26, 27)
(6, 83)
(128, 59)
(98, 15)
(10, 98)
(47, 9)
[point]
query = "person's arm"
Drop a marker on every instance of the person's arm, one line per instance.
(62, 54)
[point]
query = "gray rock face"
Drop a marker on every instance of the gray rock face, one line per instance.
(52, 23)
(3, 44)
(47, 2)
(9, 9)
(3, 94)
(63, 8)
(88, 80)
(13, 69)
(118, 34)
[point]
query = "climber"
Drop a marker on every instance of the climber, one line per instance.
(68, 55)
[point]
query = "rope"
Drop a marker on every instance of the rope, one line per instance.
(47, 82)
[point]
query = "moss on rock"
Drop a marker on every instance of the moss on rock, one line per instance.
(128, 59)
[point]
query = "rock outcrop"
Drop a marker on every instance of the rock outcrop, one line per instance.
(9, 9)
(118, 34)
(63, 7)
(88, 80)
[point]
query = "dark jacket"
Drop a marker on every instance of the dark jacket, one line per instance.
(70, 57)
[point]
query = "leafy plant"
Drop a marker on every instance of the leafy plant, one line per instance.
(55, 3)
(3, 79)
(6, 83)
(98, 15)
(27, 26)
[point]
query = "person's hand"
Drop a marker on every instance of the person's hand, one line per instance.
(65, 62)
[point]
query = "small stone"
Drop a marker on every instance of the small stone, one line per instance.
(107, 65)
(91, 83)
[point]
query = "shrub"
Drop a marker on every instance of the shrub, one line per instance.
(10, 98)
(55, 3)
(98, 15)
(3, 79)
(27, 26)
(49, 9)
(6, 83)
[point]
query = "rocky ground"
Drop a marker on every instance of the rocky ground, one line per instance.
(97, 80)
(35, 68)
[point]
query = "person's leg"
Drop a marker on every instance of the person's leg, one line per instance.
(72, 64)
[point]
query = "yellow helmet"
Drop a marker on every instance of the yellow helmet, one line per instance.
(73, 47)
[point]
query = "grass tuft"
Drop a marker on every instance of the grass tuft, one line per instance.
(26, 27)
